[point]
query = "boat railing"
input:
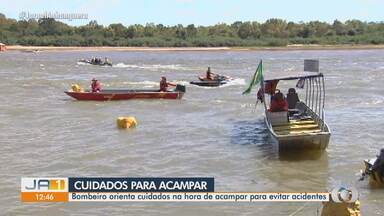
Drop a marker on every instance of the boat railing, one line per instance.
(315, 95)
(318, 119)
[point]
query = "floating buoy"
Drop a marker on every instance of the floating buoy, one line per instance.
(76, 88)
(126, 122)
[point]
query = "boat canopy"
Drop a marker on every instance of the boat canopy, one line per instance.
(313, 85)
(309, 76)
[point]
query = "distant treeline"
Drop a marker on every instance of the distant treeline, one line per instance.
(273, 32)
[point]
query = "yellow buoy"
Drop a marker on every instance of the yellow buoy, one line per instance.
(346, 209)
(126, 122)
(76, 88)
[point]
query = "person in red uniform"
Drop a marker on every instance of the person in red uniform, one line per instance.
(96, 85)
(164, 84)
(278, 103)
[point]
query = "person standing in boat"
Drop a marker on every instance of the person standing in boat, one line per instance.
(96, 85)
(164, 84)
(209, 75)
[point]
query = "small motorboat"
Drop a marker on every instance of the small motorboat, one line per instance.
(210, 83)
(220, 80)
(101, 63)
(127, 94)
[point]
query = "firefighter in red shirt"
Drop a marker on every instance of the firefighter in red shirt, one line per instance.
(96, 85)
(278, 103)
(164, 84)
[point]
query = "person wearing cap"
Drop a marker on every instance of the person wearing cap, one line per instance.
(96, 85)
(164, 84)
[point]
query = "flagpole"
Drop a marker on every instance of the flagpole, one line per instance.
(263, 87)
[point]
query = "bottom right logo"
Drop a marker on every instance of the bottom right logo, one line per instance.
(344, 194)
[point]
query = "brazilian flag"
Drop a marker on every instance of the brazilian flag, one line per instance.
(256, 79)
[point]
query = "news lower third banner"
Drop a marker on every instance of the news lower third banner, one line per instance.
(196, 189)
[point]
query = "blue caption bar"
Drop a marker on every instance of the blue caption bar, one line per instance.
(101, 184)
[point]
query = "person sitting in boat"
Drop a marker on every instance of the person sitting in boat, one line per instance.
(292, 98)
(278, 103)
(107, 61)
(164, 84)
(96, 85)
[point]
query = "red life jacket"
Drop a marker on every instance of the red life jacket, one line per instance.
(278, 105)
(96, 86)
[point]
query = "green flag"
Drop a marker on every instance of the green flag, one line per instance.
(256, 79)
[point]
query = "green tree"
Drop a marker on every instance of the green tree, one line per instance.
(275, 28)
(118, 29)
(339, 28)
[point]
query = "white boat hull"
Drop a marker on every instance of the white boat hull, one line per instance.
(318, 141)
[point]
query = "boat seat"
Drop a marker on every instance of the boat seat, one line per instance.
(297, 132)
(292, 99)
(296, 122)
(296, 127)
(276, 118)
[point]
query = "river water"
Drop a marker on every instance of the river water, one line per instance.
(210, 132)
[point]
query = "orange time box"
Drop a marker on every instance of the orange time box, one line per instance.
(44, 196)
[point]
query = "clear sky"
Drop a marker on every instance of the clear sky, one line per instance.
(201, 12)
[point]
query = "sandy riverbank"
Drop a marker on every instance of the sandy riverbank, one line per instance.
(289, 47)
(73, 48)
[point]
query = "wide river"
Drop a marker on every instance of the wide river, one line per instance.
(210, 132)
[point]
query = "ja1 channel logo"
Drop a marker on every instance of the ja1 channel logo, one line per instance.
(344, 194)
(44, 184)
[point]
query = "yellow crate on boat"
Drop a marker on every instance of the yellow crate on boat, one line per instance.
(76, 88)
(126, 122)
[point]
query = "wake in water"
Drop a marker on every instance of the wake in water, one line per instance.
(82, 63)
(142, 83)
(234, 82)
(154, 67)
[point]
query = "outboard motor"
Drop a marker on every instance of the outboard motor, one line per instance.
(180, 88)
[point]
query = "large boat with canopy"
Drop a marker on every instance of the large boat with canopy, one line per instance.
(292, 122)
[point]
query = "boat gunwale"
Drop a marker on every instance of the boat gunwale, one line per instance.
(111, 96)
(125, 92)
(270, 128)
